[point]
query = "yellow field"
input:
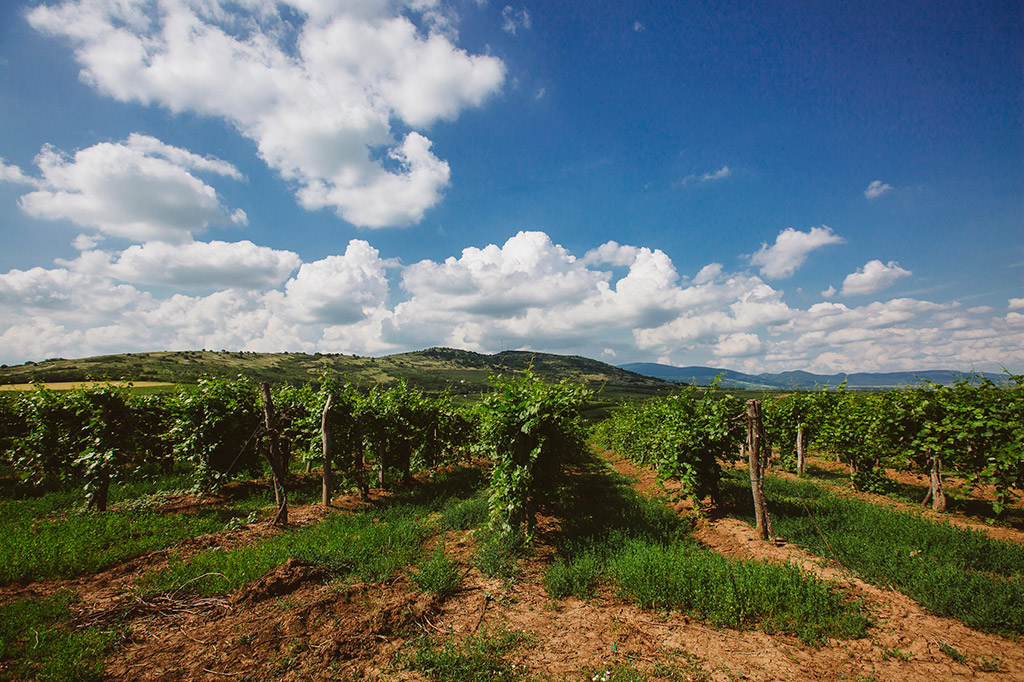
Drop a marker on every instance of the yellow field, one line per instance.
(67, 385)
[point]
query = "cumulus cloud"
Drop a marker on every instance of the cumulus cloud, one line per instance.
(873, 277)
(876, 189)
(140, 189)
(205, 265)
(555, 302)
(337, 290)
(1016, 304)
(791, 249)
(638, 27)
(512, 19)
(318, 91)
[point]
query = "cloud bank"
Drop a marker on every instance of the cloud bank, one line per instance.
(528, 292)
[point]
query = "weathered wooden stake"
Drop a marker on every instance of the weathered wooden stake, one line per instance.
(328, 444)
(274, 456)
(755, 443)
(935, 492)
(800, 463)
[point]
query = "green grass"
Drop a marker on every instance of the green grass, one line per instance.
(951, 571)
(613, 536)
(35, 646)
(437, 574)
(465, 514)
(478, 658)
(369, 546)
(44, 549)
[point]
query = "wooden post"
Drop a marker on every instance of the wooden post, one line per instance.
(800, 463)
(755, 443)
(937, 494)
(273, 456)
(328, 444)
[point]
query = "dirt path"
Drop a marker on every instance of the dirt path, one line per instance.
(901, 622)
(291, 625)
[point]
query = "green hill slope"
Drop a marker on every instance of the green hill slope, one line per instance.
(432, 370)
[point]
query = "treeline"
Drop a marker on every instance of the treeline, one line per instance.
(973, 428)
(222, 429)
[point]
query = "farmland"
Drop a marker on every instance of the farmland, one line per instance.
(507, 540)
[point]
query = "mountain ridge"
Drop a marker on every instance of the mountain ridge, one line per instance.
(799, 379)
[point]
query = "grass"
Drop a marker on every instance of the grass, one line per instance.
(33, 645)
(44, 549)
(613, 536)
(437, 574)
(477, 658)
(370, 545)
(951, 571)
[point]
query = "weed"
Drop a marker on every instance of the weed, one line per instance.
(32, 646)
(437, 575)
(953, 653)
(497, 554)
(465, 514)
(477, 658)
(896, 653)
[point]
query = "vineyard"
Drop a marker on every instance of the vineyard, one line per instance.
(319, 531)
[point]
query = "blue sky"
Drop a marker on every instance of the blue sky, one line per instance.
(763, 188)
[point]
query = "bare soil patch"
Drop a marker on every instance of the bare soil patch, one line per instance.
(296, 623)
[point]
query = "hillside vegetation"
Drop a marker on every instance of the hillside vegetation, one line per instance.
(433, 370)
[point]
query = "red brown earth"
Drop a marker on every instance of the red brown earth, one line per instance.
(292, 625)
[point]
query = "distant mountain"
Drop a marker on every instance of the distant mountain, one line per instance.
(702, 376)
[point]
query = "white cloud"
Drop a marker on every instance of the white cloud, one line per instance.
(1016, 304)
(319, 97)
(791, 249)
(84, 242)
(876, 189)
(873, 277)
(829, 293)
(738, 346)
(15, 175)
(338, 289)
(140, 189)
(527, 293)
(512, 19)
(719, 174)
(638, 27)
(205, 265)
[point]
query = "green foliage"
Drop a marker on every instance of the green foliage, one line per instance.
(217, 427)
(34, 647)
(478, 658)
(529, 428)
(682, 436)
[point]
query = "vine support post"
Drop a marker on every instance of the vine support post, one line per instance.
(273, 455)
(755, 445)
(800, 462)
(328, 445)
(935, 492)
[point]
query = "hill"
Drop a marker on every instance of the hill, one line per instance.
(432, 370)
(703, 376)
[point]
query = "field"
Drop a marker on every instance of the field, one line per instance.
(408, 585)
(191, 535)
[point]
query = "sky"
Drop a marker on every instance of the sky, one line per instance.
(830, 187)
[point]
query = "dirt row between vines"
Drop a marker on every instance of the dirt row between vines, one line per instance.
(293, 625)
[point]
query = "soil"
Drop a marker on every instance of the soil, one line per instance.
(296, 624)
